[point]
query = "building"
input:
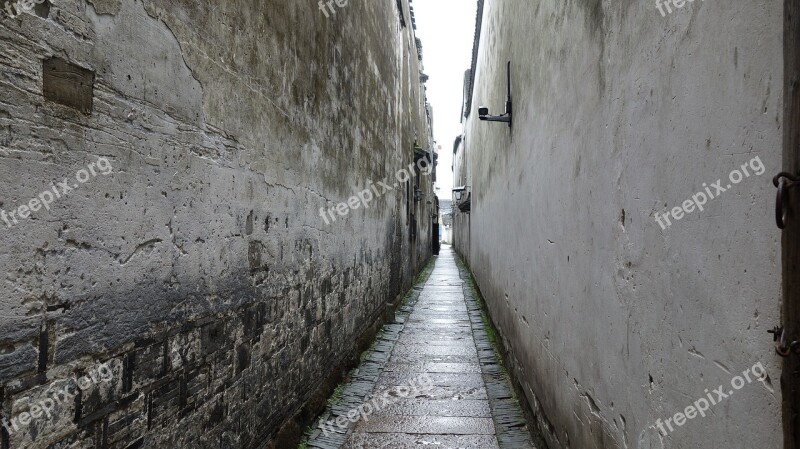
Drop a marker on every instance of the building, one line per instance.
(446, 220)
(239, 253)
(624, 290)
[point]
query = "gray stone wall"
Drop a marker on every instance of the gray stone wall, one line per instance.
(622, 113)
(202, 144)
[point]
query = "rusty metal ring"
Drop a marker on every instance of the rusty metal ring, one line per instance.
(781, 211)
(782, 181)
(781, 348)
(793, 179)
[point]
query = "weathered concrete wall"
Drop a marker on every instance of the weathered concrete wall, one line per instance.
(622, 113)
(200, 268)
(461, 180)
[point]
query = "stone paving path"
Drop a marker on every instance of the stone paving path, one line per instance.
(431, 380)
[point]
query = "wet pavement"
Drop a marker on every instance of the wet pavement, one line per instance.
(431, 380)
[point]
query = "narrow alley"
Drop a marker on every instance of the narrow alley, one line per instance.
(439, 335)
(397, 224)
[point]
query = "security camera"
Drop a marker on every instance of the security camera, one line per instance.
(483, 112)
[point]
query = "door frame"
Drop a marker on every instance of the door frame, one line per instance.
(790, 377)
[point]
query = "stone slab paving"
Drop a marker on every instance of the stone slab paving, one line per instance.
(465, 400)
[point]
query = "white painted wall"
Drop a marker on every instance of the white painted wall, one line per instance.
(621, 112)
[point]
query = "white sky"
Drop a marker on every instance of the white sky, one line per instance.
(447, 29)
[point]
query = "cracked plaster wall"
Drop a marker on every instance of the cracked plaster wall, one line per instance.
(620, 113)
(201, 268)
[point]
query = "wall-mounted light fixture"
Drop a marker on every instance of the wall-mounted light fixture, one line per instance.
(418, 194)
(459, 191)
(483, 112)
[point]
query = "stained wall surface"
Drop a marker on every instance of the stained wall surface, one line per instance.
(198, 261)
(620, 114)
